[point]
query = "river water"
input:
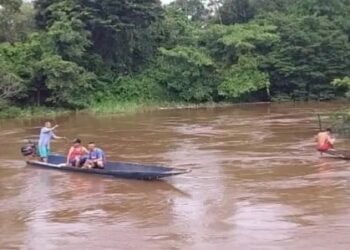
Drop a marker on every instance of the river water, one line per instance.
(256, 183)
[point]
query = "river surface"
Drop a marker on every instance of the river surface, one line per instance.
(256, 183)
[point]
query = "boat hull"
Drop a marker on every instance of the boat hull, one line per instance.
(338, 154)
(115, 169)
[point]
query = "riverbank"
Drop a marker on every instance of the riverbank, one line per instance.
(105, 108)
(115, 107)
(31, 112)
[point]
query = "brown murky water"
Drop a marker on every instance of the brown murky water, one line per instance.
(257, 183)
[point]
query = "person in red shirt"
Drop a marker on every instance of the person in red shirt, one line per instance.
(77, 154)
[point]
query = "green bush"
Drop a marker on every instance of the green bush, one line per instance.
(9, 111)
(141, 88)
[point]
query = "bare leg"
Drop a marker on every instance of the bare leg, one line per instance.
(100, 164)
(88, 164)
(77, 161)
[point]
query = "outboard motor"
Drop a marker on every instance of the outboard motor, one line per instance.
(28, 149)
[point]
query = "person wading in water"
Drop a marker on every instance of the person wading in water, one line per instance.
(324, 141)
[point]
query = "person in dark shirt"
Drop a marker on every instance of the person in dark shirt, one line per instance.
(29, 150)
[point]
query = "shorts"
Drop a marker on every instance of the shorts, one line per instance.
(97, 164)
(44, 152)
(82, 160)
(325, 147)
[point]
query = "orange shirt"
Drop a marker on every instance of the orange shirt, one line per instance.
(76, 152)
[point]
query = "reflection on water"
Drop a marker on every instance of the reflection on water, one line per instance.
(257, 183)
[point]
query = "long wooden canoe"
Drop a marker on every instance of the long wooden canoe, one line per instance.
(116, 169)
(338, 154)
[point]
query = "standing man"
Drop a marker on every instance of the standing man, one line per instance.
(324, 140)
(46, 135)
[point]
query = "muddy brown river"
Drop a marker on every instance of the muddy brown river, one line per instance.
(256, 183)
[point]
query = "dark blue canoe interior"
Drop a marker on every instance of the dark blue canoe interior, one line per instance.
(111, 166)
(117, 169)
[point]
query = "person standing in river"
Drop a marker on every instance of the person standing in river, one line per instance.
(46, 135)
(324, 141)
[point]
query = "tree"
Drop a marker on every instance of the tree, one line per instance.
(263, 7)
(34, 74)
(193, 9)
(120, 32)
(236, 11)
(242, 79)
(329, 8)
(10, 84)
(177, 29)
(15, 20)
(343, 83)
(67, 83)
(66, 33)
(246, 44)
(82, 51)
(188, 74)
(312, 52)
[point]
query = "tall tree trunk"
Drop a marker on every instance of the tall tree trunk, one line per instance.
(268, 93)
(38, 96)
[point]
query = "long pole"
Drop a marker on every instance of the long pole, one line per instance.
(319, 122)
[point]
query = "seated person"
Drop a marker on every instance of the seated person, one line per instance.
(96, 157)
(77, 154)
(29, 150)
(324, 141)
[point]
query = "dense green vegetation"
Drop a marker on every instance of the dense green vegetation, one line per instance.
(84, 53)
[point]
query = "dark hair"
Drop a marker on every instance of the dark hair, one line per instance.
(91, 142)
(329, 130)
(77, 140)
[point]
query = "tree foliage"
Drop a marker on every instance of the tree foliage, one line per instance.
(16, 20)
(195, 10)
(72, 53)
(243, 78)
(236, 11)
(312, 52)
